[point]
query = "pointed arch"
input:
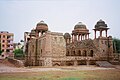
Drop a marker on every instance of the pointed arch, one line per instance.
(91, 53)
(68, 53)
(84, 53)
(79, 53)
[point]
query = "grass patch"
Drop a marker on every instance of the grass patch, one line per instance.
(69, 79)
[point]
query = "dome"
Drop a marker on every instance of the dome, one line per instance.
(32, 33)
(41, 26)
(41, 23)
(67, 36)
(101, 24)
(80, 25)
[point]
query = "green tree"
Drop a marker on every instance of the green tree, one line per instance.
(18, 53)
(0, 49)
(116, 45)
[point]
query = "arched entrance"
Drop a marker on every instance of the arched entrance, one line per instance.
(67, 54)
(84, 53)
(91, 53)
(79, 53)
(56, 64)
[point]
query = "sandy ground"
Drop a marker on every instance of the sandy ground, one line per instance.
(8, 69)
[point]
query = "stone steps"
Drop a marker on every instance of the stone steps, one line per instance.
(104, 64)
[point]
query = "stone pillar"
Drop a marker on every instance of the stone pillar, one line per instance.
(95, 34)
(106, 33)
(69, 40)
(85, 36)
(75, 62)
(78, 37)
(37, 34)
(75, 37)
(72, 37)
(100, 33)
(81, 37)
(87, 62)
(88, 35)
(81, 53)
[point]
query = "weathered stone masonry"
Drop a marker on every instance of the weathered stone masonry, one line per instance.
(47, 48)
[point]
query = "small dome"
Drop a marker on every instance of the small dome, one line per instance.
(101, 24)
(41, 23)
(32, 33)
(42, 26)
(80, 25)
(67, 36)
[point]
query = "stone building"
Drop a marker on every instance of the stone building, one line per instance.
(45, 48)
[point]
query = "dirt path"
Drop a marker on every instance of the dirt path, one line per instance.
(7, 69)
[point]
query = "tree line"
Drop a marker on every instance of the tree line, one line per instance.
(116, 45)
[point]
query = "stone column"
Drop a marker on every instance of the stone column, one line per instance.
(81, 52)
(72, 37)
(81, 37)
(95, 34)
(75, 37)
(106, 33)
(78, 37)
(87, 62)
(100, 33)
(37, 34)
(88, 35)
(75, 62)
(85, 36)
(69, 40)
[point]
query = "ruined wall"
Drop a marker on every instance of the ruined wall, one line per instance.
(31, 52)
(50, 45)
(104, 47)
(58, 45)
(84, 48)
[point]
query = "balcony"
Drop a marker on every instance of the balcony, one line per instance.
(10, 48)
(9, 43)
(11, 39)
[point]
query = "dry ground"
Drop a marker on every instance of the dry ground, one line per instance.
(63, 75)
(59, 73)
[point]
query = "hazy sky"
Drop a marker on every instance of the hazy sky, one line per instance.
(19, 16)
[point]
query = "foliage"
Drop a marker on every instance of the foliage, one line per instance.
(0, 49)
(18, 53)
(116, 45)
(0, 52)
(21, 41)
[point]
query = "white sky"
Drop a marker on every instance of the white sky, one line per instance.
(19, 16)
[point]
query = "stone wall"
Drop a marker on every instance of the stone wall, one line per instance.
(48, 45)
(104, 47)
(50, 49)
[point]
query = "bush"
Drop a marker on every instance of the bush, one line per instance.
(18, 53)
(116, 45)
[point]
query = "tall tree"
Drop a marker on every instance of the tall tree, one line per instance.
(0, 49)
(116, 45)
(18, 53)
